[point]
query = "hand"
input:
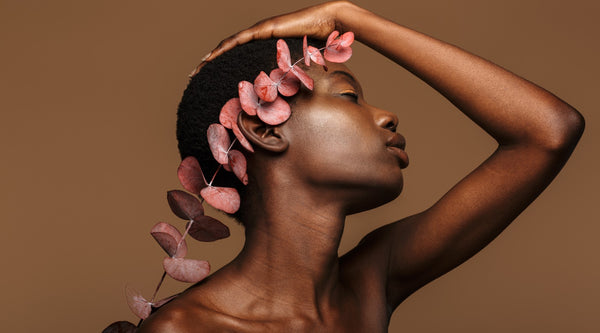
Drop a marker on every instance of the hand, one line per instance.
(316, 22)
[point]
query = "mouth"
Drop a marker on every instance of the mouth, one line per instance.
(396, 144)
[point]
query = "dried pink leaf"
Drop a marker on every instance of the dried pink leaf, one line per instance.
(274, 113)
(331, 38)
(241, 138)
(229, 112)
(312, 53)
(186, 270)
(338, 49)
(305, 51)
(248, 97)
(219, 142)
(303, 77)
(228, 118)
(163, 301)
(208, 229)
(168, 237)
(237, 162)
(190, 175)
(137, 303)
(184, 205)
(120, 327)
(265, 88)
(288, 85)
(224, 198)
(284, 62)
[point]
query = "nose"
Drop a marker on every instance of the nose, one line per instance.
(385, 119)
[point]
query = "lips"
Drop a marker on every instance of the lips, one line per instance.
(395, 144)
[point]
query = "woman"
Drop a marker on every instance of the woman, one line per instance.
(339, 155)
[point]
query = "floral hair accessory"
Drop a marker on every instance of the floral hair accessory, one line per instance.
(262, 98)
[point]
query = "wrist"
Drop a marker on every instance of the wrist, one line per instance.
(345, 14)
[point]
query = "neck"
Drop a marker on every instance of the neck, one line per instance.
(290, 257)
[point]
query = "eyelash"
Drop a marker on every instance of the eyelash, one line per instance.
(350, 94)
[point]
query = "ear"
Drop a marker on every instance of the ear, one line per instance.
(262, 135)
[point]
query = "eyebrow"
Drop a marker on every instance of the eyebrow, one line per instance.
(346, 74)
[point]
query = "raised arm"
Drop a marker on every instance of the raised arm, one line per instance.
(536, 133)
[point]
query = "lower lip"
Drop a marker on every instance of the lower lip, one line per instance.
(401, 155)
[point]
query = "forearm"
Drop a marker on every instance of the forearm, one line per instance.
(511, 109)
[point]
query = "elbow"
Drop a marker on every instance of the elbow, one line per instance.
(565, 125)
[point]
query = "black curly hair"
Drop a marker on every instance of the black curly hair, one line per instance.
(212, 87)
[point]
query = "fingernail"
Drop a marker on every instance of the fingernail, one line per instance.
(206, 57)
(193, 72)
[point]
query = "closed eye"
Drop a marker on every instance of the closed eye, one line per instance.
(350, 94)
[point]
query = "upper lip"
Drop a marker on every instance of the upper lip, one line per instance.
(397, 141)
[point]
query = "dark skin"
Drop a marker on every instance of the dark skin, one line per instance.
(341, 155)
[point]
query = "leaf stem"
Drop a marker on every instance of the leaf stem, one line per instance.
(185, 233)
(213, 177)
(162, 278)
(221, 165)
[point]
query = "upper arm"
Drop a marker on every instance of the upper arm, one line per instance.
(416, 250)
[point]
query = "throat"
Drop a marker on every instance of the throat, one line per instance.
(292, 259)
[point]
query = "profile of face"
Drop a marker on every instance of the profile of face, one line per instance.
(335, 145)
(339, 144)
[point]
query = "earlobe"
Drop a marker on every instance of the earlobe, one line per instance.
(262, 135)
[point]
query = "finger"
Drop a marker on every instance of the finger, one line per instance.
(202, 63)
(225, 45)
(240, 38)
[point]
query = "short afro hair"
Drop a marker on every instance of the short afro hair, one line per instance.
(212, 87)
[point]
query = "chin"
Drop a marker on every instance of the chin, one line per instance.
(376, 196)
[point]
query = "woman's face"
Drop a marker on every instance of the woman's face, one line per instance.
(342, 145)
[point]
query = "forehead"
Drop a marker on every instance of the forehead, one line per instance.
(335, 72)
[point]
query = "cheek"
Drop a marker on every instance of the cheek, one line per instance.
(339, 146)
(331, 135)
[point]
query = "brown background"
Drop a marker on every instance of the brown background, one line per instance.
(88, 97)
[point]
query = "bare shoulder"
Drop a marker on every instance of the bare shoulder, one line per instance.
(363, 271)
(182, 315)
(171, 317)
